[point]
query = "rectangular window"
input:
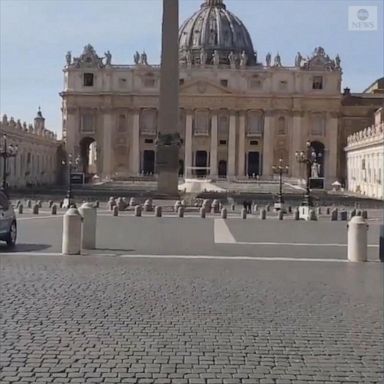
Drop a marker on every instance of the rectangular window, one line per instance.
(254, 142)
(87, 123)
(223, 142)
(88, 79)
(148, 141)
(318, 125)
(317, 82)
(224, 83)
(201, 123)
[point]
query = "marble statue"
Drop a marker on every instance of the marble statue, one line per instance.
(108, 58)
(68, 58)
(277, 60)
(136, 57)
(315, 170)
(268, 59)
(144, 59)
(232, 60)
(243, 59)
(216, 58)
(337, 61)
(298, 59)
(203, 57)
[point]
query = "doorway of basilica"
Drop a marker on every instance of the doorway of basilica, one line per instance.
(253, 163)
(148, 162)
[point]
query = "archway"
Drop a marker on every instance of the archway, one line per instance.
(319, 150)
(201, 161)
(253, 163)
(88, 156)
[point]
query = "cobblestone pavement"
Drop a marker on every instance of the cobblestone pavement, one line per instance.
(100, 319)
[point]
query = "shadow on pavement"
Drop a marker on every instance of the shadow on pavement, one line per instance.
(115, 250)
(24, 247)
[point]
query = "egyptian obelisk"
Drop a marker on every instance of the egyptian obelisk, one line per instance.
(168, 140)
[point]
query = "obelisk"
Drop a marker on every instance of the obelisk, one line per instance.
(168, 140)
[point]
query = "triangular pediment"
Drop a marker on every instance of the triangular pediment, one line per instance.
(203, 87)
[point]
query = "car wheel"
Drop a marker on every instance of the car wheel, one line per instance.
(12, 235)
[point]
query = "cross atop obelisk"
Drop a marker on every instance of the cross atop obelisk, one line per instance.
(168, 140)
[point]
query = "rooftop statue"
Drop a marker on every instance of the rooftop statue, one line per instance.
(298, 60)
(243, 59)
(203, 57)
(277, 60)
(268, 59)
(144, 59)
(216, 58)
(232, 60)
(108, 58)
(68, 58)
(136, 57)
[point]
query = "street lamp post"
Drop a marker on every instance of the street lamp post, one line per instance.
(308, 157)
(69, 194)
(280, 170)
(7, 151)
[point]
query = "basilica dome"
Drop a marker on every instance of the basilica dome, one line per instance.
(213, 28)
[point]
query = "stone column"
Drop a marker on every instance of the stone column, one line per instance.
(168, 141)
(232, 145)
(331, 154)
(107, 144)
(241, 153)
(297, 134)
(134, 153)
(213, 156)
(268, 144)
(71, 127)
(188, 145)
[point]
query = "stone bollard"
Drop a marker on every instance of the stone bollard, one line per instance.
(312, 215)
(343, 215)
(29, 204)
(364, 215)
(202, 212)
(334, 214)
(50, 203)
(289, 209)
(263, 214)
(255, 208)
(243, 213)
(97, 204)
(357, 239)
(233, 206)
(328, 211)
(121, 205)
(71, 232)
(20, 209)
(158, 211)
(61, 204)
(88, 234)
(111, 203)
(353, 213)
(132, 202)
(280, 214)
(115, 211)
(224, 213)
(359, 213)
(215, 206)
(177, 205)
(296, 214)
(319, 211)
(148, 206)
(138, 211)
(180, 211)
(35, 209)
(40, 204)
(54, 209)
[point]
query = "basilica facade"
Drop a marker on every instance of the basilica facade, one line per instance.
(239, 113)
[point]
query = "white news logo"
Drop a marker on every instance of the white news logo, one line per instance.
(362, 18)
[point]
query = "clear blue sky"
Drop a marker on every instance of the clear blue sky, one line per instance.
(36, 34)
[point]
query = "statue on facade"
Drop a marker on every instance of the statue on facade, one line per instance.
(232, 60)
(268, 59)
(216, 58)
(243, 59)
(337, 61)
(203, 57)
(256, 57)
(298, 60)
(188, 57)
(108, 58)
(277, 60)
(315, 170)
(68, 58)
(144, 59)
(136, 57)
